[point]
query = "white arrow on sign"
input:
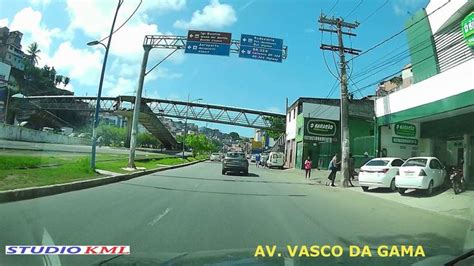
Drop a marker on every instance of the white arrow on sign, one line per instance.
(243, 51)
(189, 46)
(190, 35)
(244, 39)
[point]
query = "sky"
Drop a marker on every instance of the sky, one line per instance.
(63, 27)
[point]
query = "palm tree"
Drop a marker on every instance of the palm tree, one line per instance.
(66, 81)
(33, 52)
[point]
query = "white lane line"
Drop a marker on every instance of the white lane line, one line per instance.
(50, 260)
(159, 217)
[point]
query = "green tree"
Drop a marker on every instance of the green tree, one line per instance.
(111, 135)
(234, 135)
(277, 126)
(66, 81)
(147, 140)
(32, 53)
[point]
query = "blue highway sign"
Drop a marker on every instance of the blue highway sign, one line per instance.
(261, 48)
(261, 42)
(208, 42)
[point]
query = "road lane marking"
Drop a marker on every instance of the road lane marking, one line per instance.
(50, 260)
(159, 217)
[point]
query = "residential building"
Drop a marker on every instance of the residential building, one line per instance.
(313, 129)
(434, 115)
(10, 48)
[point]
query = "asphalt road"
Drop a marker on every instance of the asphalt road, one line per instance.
(197, 210)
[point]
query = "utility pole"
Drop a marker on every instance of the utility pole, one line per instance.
(339, 24)
(136, 107)
(185, 127)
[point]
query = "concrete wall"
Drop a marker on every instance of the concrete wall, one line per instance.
(26, 134)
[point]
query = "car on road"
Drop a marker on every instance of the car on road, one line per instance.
(424, 173)
(275, 159)
(379, 172)
(215, 157)
(253, 158)
(235, 162)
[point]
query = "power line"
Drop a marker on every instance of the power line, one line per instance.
(325, 61)
(125, 22)
(375, 11)
(354, 9)
(400, 32)
(335, 3)
(417, 63)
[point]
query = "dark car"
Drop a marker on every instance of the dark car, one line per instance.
(235, 162)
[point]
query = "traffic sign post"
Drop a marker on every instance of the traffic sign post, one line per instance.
(261, 48)
(208, 42)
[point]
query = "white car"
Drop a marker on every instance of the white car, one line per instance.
(379, 172)
(420, 173)
(252, 158)
(275, 160)
(215, 157)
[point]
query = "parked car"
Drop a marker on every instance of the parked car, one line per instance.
(252, 158)
(275, 159)
(215, 157)
(235, 162)
(379, 172)
(263, 159)
(424, 173)
(247, 156)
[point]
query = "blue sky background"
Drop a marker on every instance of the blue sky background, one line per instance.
(63, 27)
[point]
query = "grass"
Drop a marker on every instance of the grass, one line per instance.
(21, 178)
(21, 171)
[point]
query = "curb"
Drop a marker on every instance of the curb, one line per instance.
(36, 192)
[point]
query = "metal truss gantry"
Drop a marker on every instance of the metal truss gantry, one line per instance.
(162, 107)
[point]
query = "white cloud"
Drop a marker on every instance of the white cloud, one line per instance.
(214, 15)
(83, 66)
(28, 21)
(121, 86)
(4, 22)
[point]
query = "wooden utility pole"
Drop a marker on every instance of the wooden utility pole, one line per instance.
(336, 26)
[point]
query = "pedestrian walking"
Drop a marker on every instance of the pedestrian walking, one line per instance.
(257, 160)
(366, 157)
(307, 167)
(351, 168)
(333, 168)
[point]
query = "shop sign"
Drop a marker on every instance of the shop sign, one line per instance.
(467, 27)
(321, 128)
(318, 138)
(404, 141)
(405, 130)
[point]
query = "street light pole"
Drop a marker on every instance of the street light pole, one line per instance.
(186, 122)
(101, 82)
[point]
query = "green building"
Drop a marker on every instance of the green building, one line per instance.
(313, 129)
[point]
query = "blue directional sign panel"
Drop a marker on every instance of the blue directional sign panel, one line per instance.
(261, 42)
(208, 42)
(261, 48)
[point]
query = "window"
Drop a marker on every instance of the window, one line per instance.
(299, 131)
(294, 113)
(397, 162)
(434, 164)
(377, 163)
(416, 162)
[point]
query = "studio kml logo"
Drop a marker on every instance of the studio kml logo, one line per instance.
(321, 128)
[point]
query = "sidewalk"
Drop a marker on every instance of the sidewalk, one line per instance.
(443, 201)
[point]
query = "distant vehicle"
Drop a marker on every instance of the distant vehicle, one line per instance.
(72, 135)
(235, 162)
(84, 135)
(247, 156)
(275, 159)
(263, 159)
(66, 130)
(252, 158)
(424, 173)
(48, 129)
(379, 172)
(215, 157)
